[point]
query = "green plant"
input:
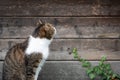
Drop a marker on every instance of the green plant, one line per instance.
(103, 69)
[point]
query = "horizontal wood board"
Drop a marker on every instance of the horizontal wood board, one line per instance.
(59, 8)
(67, 70)
(91, 49)
(86, 54)
(66, 44)
(67, 27)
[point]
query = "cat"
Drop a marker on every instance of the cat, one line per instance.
(25, 60)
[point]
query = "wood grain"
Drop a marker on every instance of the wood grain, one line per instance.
(65, 44)
(59, 8)
(60, 48)
(66, 70)
(86, 54)
(83, 44)
(92, 26)
(1, 67)
(67, 27)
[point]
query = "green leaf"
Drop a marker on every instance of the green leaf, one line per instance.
(86, 64)
(114, 75)
(103, 58)
(75, 56)
(83, 60)
(108, 77)
(110, 72)
(100, 63)
(92, 76)
(97, 70)
(104, 78)
(108, 67)
(90, 70)
(74, 50)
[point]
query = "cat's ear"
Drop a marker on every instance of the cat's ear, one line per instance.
(40, 22)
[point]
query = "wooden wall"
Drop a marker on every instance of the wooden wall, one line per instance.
(92, 26)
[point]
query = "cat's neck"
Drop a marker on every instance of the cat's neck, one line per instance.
(38, 45)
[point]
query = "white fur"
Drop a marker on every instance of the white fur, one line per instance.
(37, 45)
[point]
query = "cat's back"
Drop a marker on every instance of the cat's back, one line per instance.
(14, 64)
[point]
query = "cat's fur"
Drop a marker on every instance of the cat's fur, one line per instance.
(24, 60)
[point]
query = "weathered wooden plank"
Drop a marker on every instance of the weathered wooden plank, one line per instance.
(1, 66)
(59, 8)
(82, 44)
(67, 27)
(67, 70)
(65, 44)
(91, 49)
(86, 54)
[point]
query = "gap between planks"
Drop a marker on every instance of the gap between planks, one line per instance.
(52, 16)
(63, 38)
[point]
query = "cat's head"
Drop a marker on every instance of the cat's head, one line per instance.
(44, 30)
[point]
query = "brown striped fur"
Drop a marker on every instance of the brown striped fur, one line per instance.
(14, 64)
(46, 31)
(18, 65)
(32, 62)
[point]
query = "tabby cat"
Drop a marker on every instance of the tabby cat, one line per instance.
(24, 60)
